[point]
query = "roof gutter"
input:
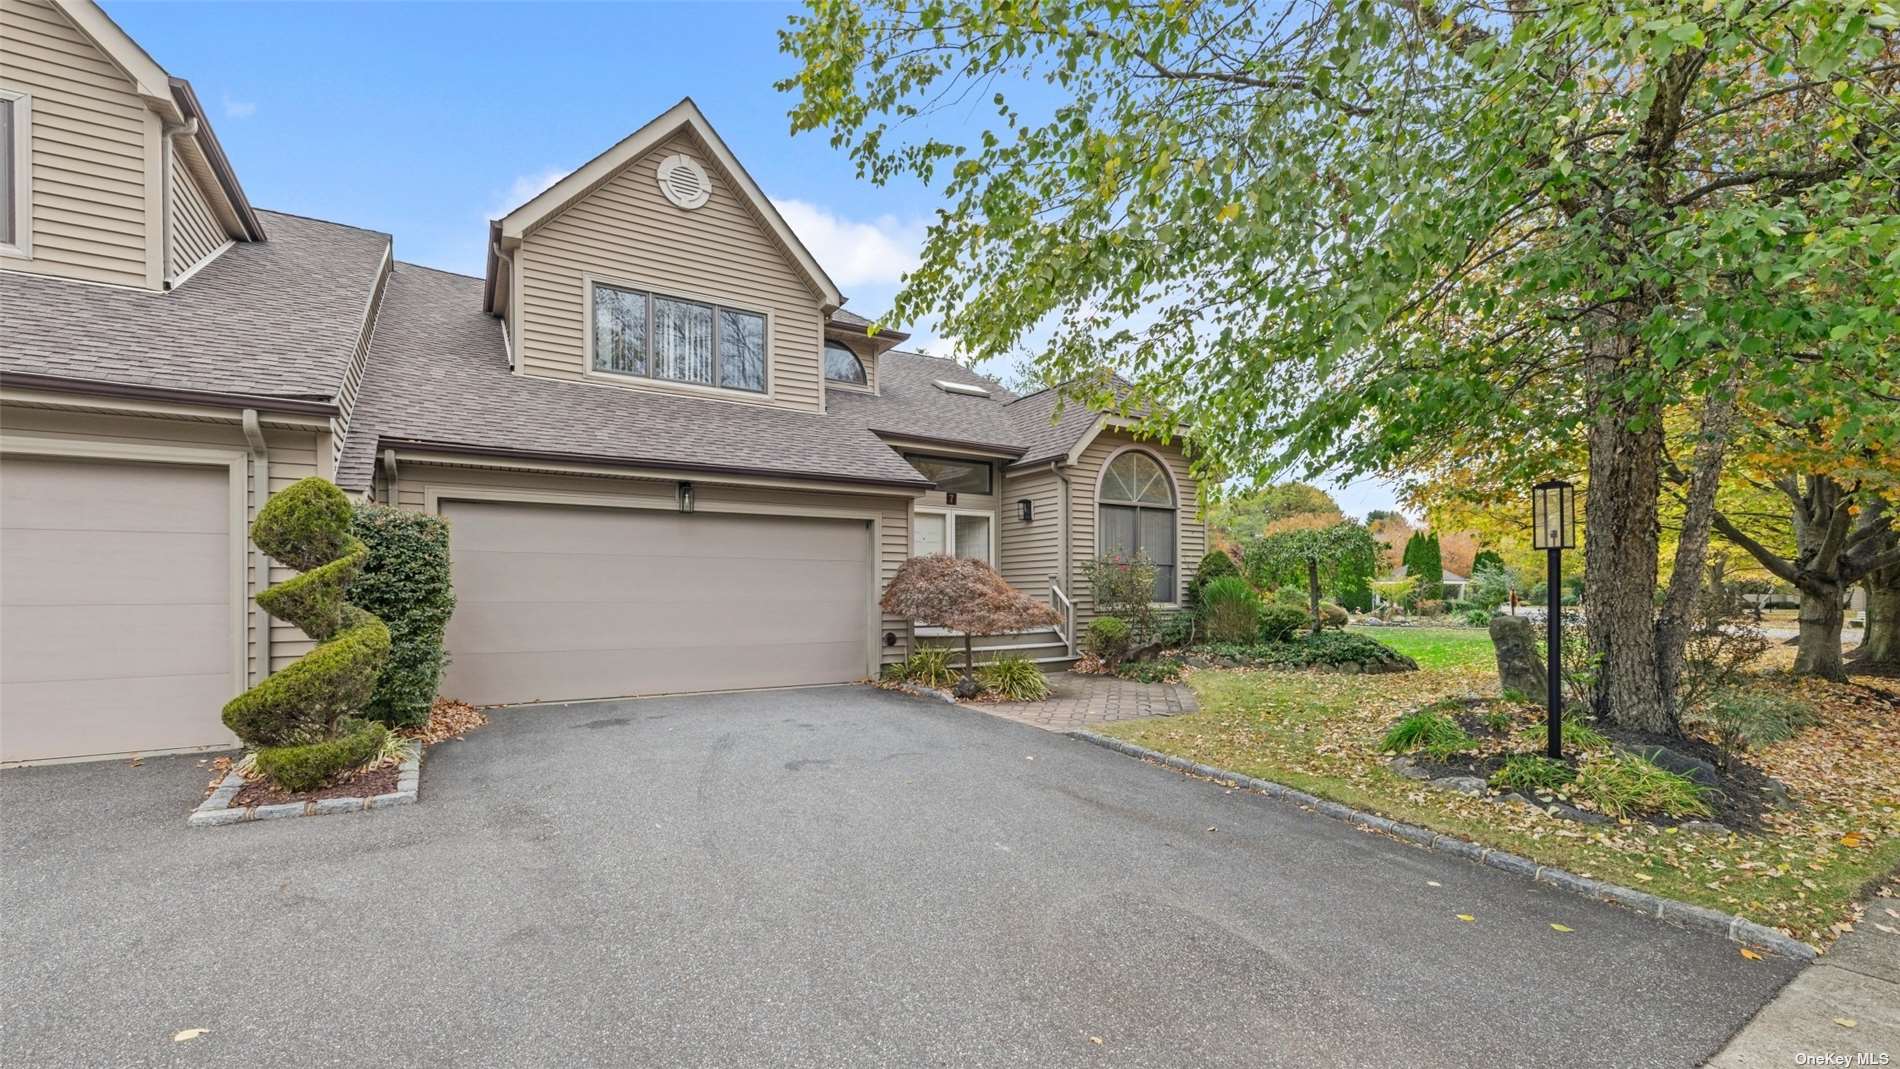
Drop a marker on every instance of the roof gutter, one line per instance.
(1009, 451)
(463, 449)
(213, 398)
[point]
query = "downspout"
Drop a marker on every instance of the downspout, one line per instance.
(1062, 541)
(166, 151)
(508, 342)
(260, 562)
(389, 476)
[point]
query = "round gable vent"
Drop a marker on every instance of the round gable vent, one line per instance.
(684, 181)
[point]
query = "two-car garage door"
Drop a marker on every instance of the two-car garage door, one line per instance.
(559, 602)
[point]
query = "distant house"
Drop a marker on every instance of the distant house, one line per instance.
(1453, 585)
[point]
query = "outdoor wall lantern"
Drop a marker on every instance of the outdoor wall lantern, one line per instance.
(1028, 508)
(686, 496)
(1554, 529)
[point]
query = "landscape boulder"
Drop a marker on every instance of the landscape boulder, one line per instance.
(1520, 669)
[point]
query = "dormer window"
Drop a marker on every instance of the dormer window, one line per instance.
(843, 365)
(649, 335)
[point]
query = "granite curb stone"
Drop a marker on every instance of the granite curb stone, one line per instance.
(217, 809)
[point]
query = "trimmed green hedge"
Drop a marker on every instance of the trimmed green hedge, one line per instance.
(300, 768)
(407, 583)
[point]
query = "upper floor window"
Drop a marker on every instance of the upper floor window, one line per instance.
(843, 365)
(15, 174)
(953, 475)
(650, 335)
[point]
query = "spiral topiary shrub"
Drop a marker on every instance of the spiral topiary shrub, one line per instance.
(301, 720)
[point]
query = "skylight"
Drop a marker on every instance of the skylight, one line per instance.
(961, 387)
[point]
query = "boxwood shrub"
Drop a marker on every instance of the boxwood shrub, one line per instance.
(407, 583)
(301, 768)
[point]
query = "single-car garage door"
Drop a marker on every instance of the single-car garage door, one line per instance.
(117, 621)
(557, 602)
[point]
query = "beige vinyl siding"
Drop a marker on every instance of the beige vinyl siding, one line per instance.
(1190, 532)
(94, 145)
(293, 456)
(627, 232)
(1032, 552)
(196, 233)
(415, 480)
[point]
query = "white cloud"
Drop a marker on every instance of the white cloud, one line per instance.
(238, 109)
(524, 189)
(874, 252)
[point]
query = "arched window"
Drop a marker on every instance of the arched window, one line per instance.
(843, 365)
(1135, 512)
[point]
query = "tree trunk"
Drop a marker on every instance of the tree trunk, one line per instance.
(1312, 589)
(1620, 534)
(1818, 649)
(1692, 549)
(1880, 647)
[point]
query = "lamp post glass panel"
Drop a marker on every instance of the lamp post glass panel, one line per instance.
(1554, 529)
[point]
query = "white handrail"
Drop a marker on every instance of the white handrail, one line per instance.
(1061, 601)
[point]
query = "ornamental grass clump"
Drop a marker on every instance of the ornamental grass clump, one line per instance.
(1014, 678)
(1434, 733)
(1230, 610)
(963, 595)
(302, 721)
(1623, 785)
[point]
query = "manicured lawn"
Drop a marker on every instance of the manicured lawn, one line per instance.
(1320, 732)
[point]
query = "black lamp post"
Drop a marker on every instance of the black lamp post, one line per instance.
(1554, 529)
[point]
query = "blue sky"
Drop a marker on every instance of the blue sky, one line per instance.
(427, 119)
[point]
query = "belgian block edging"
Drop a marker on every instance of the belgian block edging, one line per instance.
(1733, 926)
(218, 809)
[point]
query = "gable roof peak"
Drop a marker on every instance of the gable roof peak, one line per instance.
(510, 229)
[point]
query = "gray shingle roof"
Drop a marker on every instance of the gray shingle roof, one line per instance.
(438, 373)
(278, 318)
(908, 402)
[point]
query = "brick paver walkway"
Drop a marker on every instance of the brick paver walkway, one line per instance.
(1078, 701)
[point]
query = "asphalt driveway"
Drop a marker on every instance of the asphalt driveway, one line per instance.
(836, 876)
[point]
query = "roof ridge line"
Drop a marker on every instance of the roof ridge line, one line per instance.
(330, 222)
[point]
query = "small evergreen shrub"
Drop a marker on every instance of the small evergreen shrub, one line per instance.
(1740, 720)
(1230, 610)
(1291, 595)
(1216, 564)
(1279, 623)
(1477, 617)
(1525, 772)
(407, 584)
(304, 767)
(1623, 785)
(1177, 630)
(1107, 639)
(1013, 678)
(1333, 616)
(1425, 730)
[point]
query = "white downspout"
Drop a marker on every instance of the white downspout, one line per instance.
(260, 492)
(1062, 540)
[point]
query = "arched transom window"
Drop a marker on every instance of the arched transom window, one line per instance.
(843, 365)
(1136, 515)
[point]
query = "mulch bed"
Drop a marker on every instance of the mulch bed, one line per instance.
(362, 784)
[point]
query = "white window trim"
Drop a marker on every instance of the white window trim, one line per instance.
(22, 244)
(1174, 488)
(949, 527)
(653, 382)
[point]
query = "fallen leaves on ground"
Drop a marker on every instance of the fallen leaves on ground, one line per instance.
(220, 768)
(1801, 873)
(1750, 955)
(1561, 928)
(448, 719)
(188, 1034)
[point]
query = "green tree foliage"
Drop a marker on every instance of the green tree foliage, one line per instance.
(406, 583)
(1312, 558)
(301, 720)
(1244, 516)
(1367, 236)
(1486, 557)
(1215, 564)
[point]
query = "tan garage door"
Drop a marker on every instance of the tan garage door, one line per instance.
(116, 619)
(556, 602)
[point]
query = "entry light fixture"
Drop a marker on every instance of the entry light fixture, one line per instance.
(686, 496)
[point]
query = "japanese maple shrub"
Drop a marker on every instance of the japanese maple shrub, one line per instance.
(963, 595)
(303, 720)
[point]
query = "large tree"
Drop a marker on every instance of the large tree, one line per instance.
(1362, 234)
(1247, 514)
